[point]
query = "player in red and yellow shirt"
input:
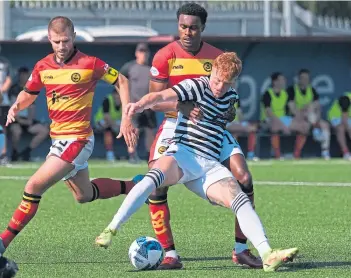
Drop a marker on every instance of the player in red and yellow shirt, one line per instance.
(186, 58)
(69, 77)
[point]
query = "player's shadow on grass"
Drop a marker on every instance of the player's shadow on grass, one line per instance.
(206, 259)
(313, 265)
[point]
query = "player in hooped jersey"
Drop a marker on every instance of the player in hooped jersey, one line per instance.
(187, 58)
(69, 77)
(193, 157)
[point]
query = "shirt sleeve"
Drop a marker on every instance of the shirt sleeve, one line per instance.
(102, 71)
(266, 99)
(34, 84)
(106, 106)
(344, 103)
(315, 94)
(189, 89)
(159, 70)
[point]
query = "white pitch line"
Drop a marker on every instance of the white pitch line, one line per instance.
(263, 163)
(289, 183)
(92, 166)
(304, 183)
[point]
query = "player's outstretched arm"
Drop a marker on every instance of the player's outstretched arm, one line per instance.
(127, 130)
(150, 100)
(170, 106)
(23, 101)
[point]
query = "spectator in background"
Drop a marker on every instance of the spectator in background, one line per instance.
(304, 105)
(240, 126)
(339, 116)
(5, 84)
(108, 119)
(25, 121)
(138, 73)
(277, 114)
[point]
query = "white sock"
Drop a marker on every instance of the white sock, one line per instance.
(172, 253)
(137, 197)
(250, 224)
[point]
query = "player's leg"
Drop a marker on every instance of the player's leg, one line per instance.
(52, 171)
(302, 128)
(251, 141)
(233, 159)
(219, 187)
(164, 173)
(275, 126)
(16, 132)
(2, 138)
(40, 133)
(227, 193)
(325, 140)
(340, 131)
(158, 204)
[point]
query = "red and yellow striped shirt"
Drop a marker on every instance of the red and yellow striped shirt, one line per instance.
(173, 64)
(70, 91)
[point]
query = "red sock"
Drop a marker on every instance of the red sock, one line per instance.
(105, 188)
(21, 217)
(108, 140)
(239, 236)
(299, 143)
(275, 141)
(160, 219)
(345, 151)
(251, 144)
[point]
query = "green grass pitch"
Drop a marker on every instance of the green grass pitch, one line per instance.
(314, 215)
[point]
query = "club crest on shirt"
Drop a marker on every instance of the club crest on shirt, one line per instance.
(75, 77)
(207, 66)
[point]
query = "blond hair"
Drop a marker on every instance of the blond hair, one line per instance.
(228, 65)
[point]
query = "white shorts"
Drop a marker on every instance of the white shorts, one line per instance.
(336, 121)
(165, 134)
(74, 151)
(199, 173)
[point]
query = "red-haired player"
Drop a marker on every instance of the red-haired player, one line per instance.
(190, 57)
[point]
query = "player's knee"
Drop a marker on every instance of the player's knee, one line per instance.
(159, 195)
(81, 199)
(33, 186)
(245, 181)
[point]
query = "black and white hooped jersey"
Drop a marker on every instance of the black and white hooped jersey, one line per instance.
(205, 138)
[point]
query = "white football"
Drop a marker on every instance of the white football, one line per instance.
(146, 253)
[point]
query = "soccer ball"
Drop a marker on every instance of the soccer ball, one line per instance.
(146, 253)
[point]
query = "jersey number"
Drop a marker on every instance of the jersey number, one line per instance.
(231, 140)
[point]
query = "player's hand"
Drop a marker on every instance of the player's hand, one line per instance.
(189, 109)
(128, 131)
(132, 109)
(11, 116)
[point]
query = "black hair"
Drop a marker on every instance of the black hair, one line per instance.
(275, 76)
(301, 71)
(23, 70)
(193, 9)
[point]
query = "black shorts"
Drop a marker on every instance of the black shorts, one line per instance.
(3, 114)
(146, 119)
